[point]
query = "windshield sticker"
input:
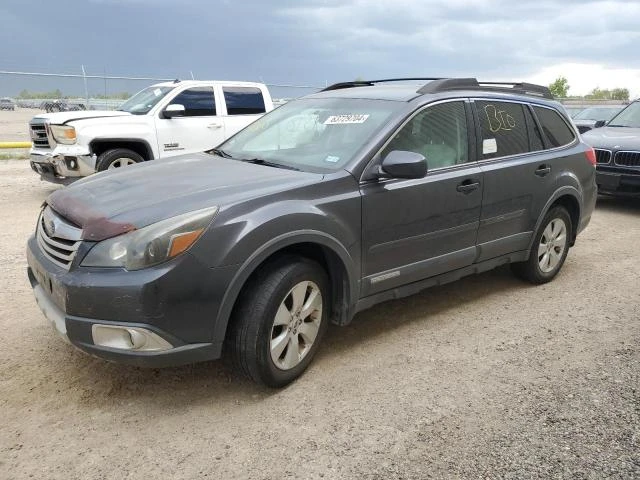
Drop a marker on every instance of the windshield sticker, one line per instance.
(332, 159)
(489, 146)
(157, 92)
(346, 119)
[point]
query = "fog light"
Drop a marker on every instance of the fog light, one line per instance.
(128, 338)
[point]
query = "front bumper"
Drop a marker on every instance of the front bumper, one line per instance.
(613, 183)
(60, 166)
(177, 301)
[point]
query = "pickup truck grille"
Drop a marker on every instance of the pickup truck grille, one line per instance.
(603, 156)
(39, 134)
(627, 159)
(57, 239)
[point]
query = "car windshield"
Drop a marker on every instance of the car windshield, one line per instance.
(143, 101)
(629, 117)
(598, 113)
(312, 134)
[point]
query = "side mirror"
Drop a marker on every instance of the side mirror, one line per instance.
(599, 123)
(174, 110)
(403, 164)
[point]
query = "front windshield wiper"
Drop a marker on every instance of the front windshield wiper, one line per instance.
(262, 161)
(220, 153)
(622, 126)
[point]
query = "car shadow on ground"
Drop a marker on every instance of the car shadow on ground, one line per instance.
(618, 204)
(98, 382)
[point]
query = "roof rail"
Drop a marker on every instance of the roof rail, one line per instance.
(473, 84)
(369, 83)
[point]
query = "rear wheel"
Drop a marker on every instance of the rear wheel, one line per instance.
(279, 321)
(117, 158)
(549, 250)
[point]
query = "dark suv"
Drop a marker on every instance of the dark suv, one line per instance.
(617, 147)
(361, 193)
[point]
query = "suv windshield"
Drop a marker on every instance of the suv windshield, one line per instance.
(597, 113)
(144, 100)
(629, 117)
(314, 134)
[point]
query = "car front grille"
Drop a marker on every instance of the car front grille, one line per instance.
(58, 240)
(603, 156)
(39, 134)
(628, 159)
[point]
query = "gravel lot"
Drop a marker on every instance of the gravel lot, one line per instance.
(14, 125)
(488, 377)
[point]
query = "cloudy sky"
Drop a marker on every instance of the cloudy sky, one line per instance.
(313, 42)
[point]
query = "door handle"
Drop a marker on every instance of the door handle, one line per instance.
(543, 170)
(468, 186)
(214, 125)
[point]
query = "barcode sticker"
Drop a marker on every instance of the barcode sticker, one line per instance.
(346, 119)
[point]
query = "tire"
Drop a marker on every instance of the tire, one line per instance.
(550, 247)
(263, 314)
(117, 158)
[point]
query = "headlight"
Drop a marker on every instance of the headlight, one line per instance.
(153, 244)
(64, 134)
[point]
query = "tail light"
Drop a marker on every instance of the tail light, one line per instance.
(590, 153)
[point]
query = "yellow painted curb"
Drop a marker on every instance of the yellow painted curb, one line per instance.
(15, 144)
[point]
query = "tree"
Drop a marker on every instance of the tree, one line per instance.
(620, 94)
(560, 87)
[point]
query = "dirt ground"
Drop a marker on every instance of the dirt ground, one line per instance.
(14, 125)
(484, 378)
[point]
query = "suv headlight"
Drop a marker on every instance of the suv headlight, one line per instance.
(153, 244)
(64, 134)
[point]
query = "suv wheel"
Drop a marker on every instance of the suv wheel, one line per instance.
(116, 158)
(279, 321)
(550, 248)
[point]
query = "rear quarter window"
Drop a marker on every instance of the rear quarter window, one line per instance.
(243, 100)
(554, 127)
(503, 129)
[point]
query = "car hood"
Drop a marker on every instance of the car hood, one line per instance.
(64, 117)
(613, 138)
(114, 202)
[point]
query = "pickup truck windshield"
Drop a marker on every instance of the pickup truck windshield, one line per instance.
(312, 134)
(143, 101)
(629, 117)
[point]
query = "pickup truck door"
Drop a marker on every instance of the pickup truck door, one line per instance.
(201, 128)
(240, 106)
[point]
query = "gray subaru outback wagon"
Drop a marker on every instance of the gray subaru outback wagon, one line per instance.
(361, 193)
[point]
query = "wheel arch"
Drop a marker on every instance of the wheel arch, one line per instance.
(317, 246)
(141, 147)
(570, 198)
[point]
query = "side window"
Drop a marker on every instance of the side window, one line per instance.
(535, 137)
(197, 101)
(554, 127)
(243, 100)
(438, 132)
(503, 129)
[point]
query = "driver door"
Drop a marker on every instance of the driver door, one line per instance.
(418, 228)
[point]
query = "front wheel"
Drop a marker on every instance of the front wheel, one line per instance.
(117, 158)
(279, 321)
(549, 250)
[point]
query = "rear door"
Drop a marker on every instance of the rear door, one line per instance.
(517, 176)
(242, 105)
(414, 229)
(200, 129)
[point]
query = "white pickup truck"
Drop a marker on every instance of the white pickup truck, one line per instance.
(160, 121)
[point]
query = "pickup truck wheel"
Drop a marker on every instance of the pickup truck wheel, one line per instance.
(279, 321)
(549, 250)
(117, 158)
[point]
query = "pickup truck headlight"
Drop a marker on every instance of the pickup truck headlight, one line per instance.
(153, 244)
(64, 134)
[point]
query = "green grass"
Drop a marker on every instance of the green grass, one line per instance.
(14, 155)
